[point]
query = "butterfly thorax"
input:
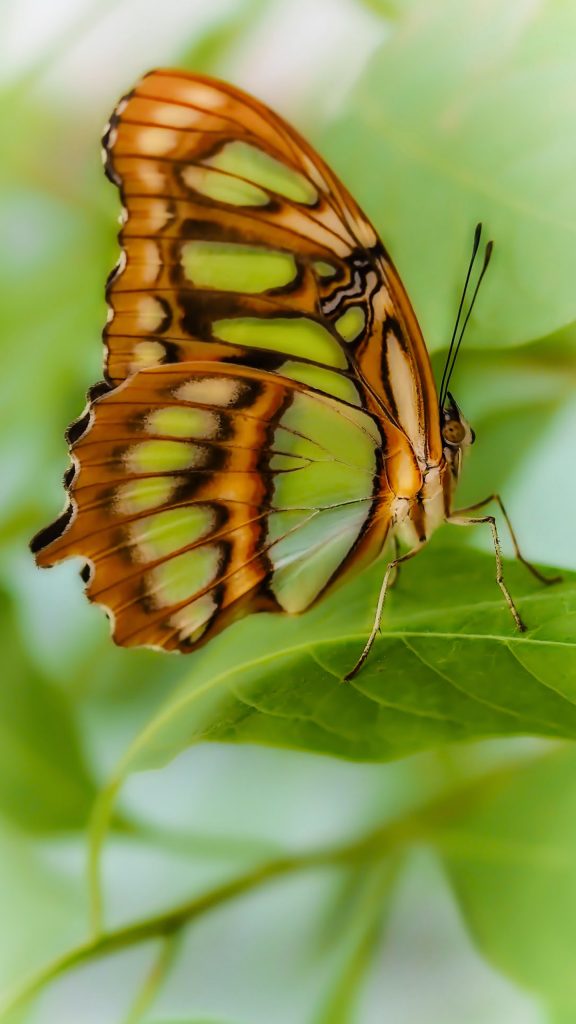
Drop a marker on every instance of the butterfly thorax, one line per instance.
(424, 490)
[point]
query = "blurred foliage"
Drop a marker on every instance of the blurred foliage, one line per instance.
(44, 783)
(231, 883)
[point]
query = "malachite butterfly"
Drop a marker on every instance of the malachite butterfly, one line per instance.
(269, 418)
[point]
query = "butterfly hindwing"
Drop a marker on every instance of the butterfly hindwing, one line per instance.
(200, 493)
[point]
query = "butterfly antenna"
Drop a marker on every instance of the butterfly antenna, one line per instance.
(450, 369)
(475, 245)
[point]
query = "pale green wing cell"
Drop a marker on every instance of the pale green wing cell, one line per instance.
(256, 166)
(324, 503)
(295, 336)
(237, 268)
(306, 558)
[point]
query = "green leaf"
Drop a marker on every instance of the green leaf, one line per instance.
(43, 903)
(448, 666)
(466, 114)
(512, 862)
(44, 782)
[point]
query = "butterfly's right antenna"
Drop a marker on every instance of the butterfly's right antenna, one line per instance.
(445, 375)
(487, 256)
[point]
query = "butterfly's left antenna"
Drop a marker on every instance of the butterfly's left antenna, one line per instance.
(475, 244)
(451, 362)
(454, 346)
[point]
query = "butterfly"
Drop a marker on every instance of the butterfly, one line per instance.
(269, 419)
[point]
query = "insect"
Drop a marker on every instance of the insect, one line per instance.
(269, 418)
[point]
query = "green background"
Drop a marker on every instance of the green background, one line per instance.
(403, 849)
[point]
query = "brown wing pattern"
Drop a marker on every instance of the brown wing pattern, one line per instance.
(211, 180)
(268, 394)
(194, 499)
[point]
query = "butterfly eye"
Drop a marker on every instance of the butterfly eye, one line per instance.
(453, 432)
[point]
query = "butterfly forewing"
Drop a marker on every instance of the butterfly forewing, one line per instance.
(270, 393)
(231, 218)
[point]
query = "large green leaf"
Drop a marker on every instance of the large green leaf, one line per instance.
(512, 862)
(466, 114)
(448, 666)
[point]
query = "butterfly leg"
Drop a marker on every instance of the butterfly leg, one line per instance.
(548, 580)
(461, 520)
(396, 574)
(390, 568)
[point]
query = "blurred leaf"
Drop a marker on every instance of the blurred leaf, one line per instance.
(260, 958)
(43, 908)
(391, 9)
(512, 862)
(193, 1020)
(510, 398)
(44, 782)
(364, 904)
(221, 39)
(466, 114)
(449, 666)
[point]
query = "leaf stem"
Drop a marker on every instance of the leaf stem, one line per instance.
(156, 975)
(388, 838)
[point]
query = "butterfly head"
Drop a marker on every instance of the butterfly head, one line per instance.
(457, 434)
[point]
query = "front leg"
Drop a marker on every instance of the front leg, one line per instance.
(460, 513)
(461, 520)
(392, 567)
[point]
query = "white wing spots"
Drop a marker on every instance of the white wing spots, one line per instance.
(120, 265)
(192, 620)
(198, 94)
(156, 141)
(155, 215)
(224, 188)
(147, 353)
(172, 530)
(257, 166)
(150, 176)
(365, 232)
(172, 115)
(222, 391)
(330, 219)
(403, 385)
(165, 457)
(351, 323)
(150, 262)
(314, 173)
(314, 229)
(150, 313)
(142, 495)
(111, 135)
(183, 576)
(175, 421)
